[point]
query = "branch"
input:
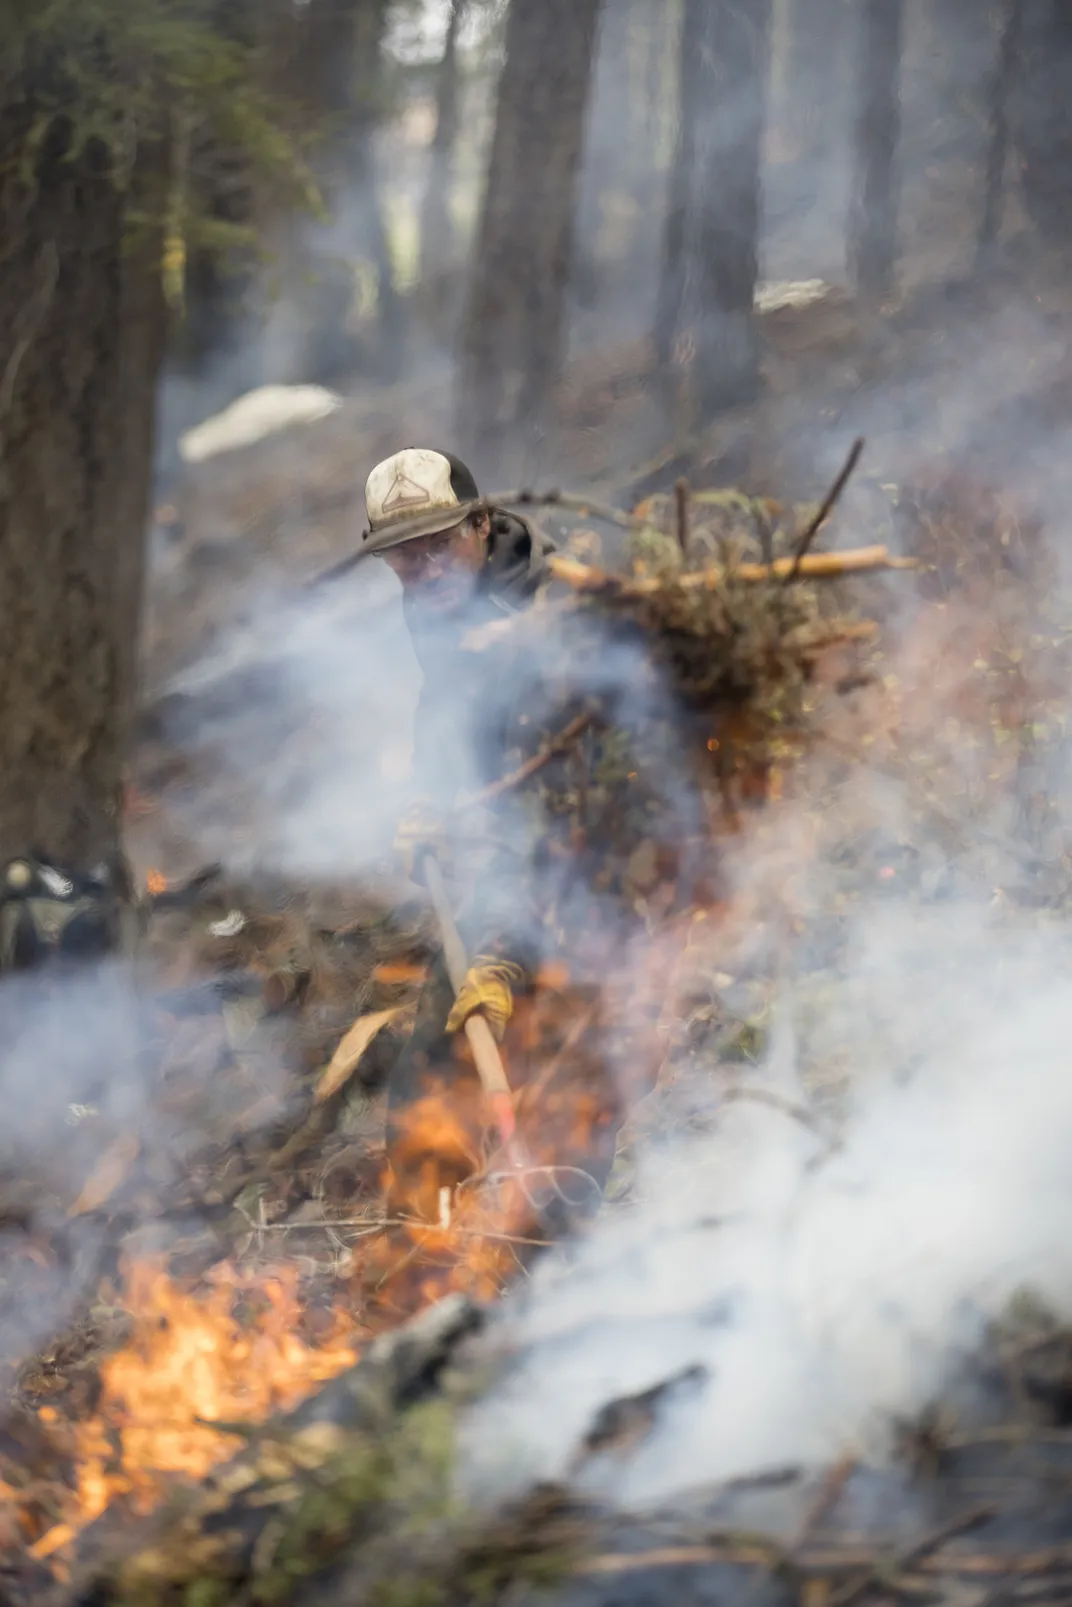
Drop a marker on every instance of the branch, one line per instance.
(564, 499)
(518, 777)
(826, 507)
(820, 566)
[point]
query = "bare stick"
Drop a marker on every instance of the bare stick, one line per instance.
(518, 777)
(819, 566)
(681, 504)
(563, 499)
(826, 507)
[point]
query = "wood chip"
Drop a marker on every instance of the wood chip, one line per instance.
(344, 1062)
(110, 1173)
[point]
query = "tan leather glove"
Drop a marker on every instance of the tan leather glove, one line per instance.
(488, 987)
(420, 830)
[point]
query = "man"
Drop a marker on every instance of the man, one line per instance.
(548, 878)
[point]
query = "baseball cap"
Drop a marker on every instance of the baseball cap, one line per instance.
(416, 492)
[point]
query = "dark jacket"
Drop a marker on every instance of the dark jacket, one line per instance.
(460, 729)
(572, 855)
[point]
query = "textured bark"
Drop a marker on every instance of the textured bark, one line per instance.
(438, 244)
(711, 260)
(81, 328)
(513, 344)
(876, 189)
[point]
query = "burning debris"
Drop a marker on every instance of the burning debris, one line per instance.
(254, 1365)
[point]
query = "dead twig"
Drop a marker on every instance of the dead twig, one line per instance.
(826, 507)
(681, 505)
(873, 1567)
(887, 1573)
(757, 1553)
(517, 778)
(826, 1500)
(563, 499)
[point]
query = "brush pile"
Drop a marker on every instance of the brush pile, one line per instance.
(348, 1495)
(725, 598)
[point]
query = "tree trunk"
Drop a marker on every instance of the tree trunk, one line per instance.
(369, 222)
(328, 63)
(997, 154)
(690, 94)
(1043, 122)
(811, 102)
(711, 260)
(606, 165)
(876, 188)
(81, 330)
(514, 338)
(437, 234)
(214, 342)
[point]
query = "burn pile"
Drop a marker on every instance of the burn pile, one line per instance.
(304, 1397)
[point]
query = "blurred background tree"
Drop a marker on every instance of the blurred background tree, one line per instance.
(493, 196)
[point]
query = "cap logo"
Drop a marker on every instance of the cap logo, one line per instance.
(404, 493)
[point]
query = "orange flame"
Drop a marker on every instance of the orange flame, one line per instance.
(156, 881)
(190, 1363)
(197, 1363)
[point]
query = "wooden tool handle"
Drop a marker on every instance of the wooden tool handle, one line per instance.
(486, 1054)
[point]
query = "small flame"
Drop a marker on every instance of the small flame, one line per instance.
(156, 882)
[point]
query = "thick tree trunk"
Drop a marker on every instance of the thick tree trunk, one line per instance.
(872, 246)
(438, 244)
(711, 260)
(730, 207)
(514, 338)
(81, 329)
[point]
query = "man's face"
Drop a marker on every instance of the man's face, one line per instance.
(440, 571)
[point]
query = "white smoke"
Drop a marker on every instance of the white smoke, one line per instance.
(828, 1292)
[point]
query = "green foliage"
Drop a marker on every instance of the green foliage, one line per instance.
(397, 1482)
(126, 74)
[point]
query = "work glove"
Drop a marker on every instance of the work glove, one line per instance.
(421, 830)
(488, 987)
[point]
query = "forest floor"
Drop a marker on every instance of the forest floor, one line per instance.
(219, 1253)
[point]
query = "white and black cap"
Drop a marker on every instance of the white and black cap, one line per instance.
(417, 492)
